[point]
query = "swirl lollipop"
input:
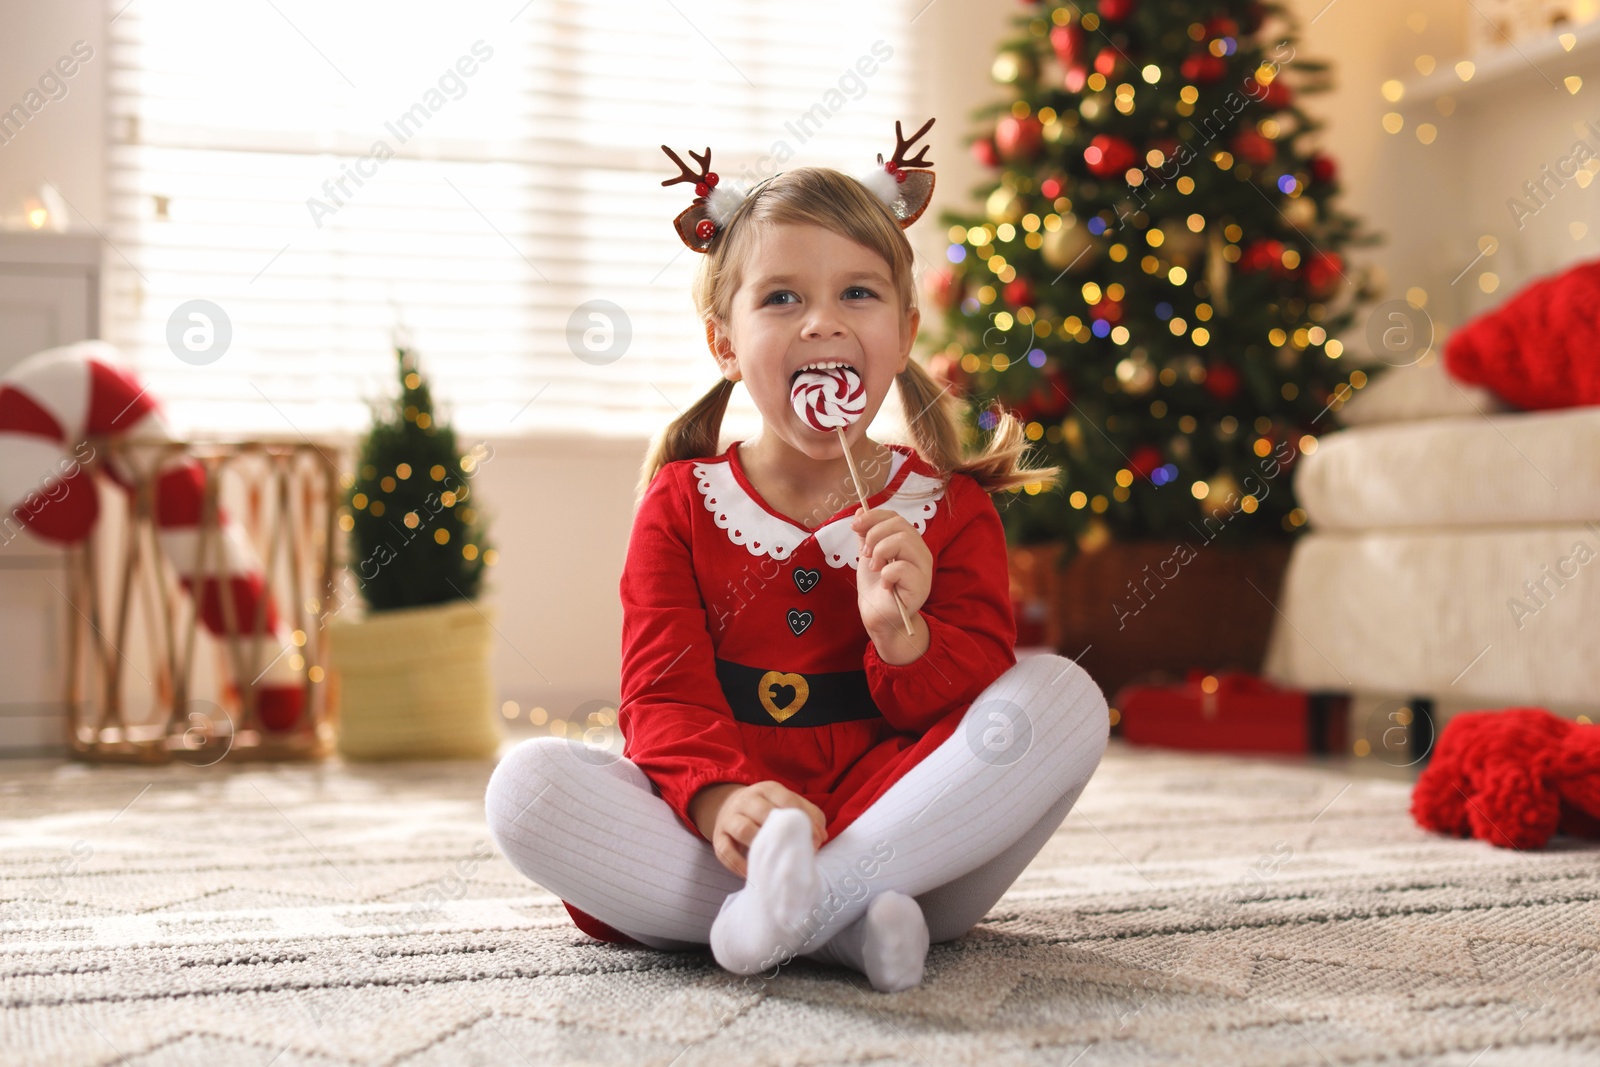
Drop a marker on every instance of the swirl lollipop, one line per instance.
(829, 399)
(832, 399)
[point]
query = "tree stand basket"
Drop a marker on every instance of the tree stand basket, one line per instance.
(415, 683)
(1148, 611)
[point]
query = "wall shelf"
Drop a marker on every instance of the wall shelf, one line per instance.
(1520, 65)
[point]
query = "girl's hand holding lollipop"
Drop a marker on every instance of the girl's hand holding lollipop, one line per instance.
(896, 566)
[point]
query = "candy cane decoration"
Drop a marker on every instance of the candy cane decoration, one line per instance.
(49, 404)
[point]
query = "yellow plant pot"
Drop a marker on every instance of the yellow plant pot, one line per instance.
(415, 683)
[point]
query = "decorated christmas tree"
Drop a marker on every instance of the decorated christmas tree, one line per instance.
(1157, 284)
(414, 537)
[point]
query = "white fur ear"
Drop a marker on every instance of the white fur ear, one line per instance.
(723, 201)
(883, 185)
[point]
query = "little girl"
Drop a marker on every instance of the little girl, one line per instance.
(802, 773)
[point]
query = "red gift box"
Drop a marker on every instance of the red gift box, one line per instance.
(1229, 711)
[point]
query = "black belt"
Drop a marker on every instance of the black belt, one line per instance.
(779, 698)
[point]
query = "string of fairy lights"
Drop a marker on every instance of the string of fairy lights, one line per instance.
(378, 495)
(390, 482)
(1191, 254)
(1395, 91)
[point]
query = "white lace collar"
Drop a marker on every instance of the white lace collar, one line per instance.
(763, 533)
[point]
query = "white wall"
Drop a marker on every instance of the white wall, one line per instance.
(64, 142)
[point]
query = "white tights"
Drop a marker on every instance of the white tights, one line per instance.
(953, 832)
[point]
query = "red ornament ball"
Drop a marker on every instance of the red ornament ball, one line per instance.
(985, 152)
(1068, 44)
(946, 370)
(944, 287)
(1323, 273)
(1323, 169)
(1107, 311)
(1108, 156)
(1203, 68)
(1116, 10)
(1144, 460)
(1261, 255)
(1273, 95)
(1018, 293)
(1221, 26)
(1222, 380)
(1252, 147)
(1049, 399)
(1018, 139)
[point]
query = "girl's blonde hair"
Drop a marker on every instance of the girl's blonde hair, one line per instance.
(839, 203)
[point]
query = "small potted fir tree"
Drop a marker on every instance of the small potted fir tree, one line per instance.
(413, 677)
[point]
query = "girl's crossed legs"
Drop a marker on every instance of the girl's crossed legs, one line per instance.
(953, 832)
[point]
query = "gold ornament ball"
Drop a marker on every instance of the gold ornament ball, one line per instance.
(1062, 247)
(1136, 375)
(1013, 66)
(1301, 211)
(1095, 536)
(1223, 495)
(1003, 206)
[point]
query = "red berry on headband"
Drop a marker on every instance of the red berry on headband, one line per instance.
(702, 189)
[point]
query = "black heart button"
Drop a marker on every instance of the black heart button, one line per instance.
(805, 580)
(798, 621)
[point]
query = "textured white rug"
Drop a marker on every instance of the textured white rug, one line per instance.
(1192, 910)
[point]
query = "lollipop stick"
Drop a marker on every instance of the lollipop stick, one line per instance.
(861, 491)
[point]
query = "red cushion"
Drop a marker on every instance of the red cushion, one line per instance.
(1541, 348)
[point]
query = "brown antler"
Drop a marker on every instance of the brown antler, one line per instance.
(901, 161)
(688, 175)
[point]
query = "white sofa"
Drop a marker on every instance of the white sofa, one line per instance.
(1453, 554)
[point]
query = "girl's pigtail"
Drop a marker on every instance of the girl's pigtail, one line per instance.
(692, 435)
(934, 419)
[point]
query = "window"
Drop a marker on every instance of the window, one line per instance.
(324, 173)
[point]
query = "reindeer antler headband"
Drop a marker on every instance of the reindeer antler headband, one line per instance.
(904, 184)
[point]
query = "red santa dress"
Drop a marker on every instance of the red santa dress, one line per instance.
(744, 657)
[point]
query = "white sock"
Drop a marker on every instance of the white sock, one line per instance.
(760, 925)
(888, 944)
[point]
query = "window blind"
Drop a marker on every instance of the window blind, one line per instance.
(320, 174)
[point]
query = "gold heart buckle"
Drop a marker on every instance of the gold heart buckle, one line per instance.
(772, 683)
